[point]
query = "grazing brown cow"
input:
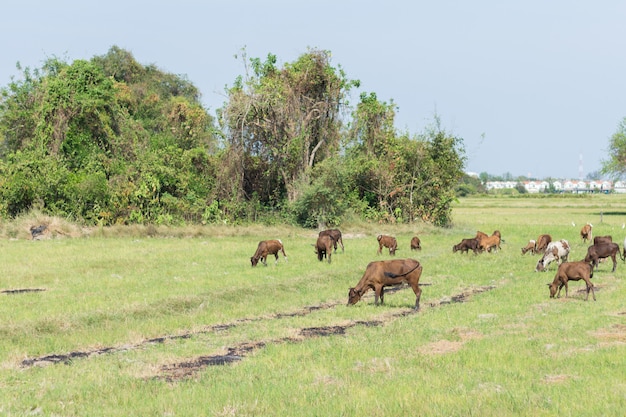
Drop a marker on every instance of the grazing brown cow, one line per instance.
(542, 243)
(416, 244)
(489, 243)
(602, 251)
(336, 235)
(265, 248)
(381, 274)
(465, 245)
(324, 247)
(388, 242)
(572, 271)
(586, 232)
(530, 247)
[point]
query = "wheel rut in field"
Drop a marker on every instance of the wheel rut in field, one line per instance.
(176, 371)
(21, 290)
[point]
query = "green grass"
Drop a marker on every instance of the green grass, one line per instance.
(506, 351)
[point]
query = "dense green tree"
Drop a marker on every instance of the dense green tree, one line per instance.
(616, 164)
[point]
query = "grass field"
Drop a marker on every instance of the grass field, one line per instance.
(177, 323)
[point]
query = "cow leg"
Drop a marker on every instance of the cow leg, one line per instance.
(264, 260)
(614, 263)
(590, 288)
(418, 295)
(378, 294)
(341, 243)
(565, 289)
(382, 295)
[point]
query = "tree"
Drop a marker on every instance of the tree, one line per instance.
(284, 121)
(616, 164)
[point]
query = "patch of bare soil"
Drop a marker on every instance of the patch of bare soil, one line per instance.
(615, 334)
(22, 290)
(441, 347)
(176, 371)
(555, 379)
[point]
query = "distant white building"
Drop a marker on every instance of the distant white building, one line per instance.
(568, 186)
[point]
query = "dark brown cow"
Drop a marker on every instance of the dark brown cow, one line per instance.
(388, 242)
(586, 232)
(465, 245)
(381, 274)
(542, 243)
(265, 248)
(602, 239)
(324, 247)
(602, 251)
(336, 235)
(416, 244)
(572, 271)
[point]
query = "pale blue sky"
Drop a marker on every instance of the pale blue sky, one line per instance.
(529, 85)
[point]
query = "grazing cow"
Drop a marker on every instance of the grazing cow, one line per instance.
(465, 245)
(324, 247)
(488, 243)
(265, 248)
(602, 251)
(381, 274)
(388, 242)
(572, 271)
(556, 251)
(602, 239)
(542, 243)
(416, 244)
(586, 232)
(530, 247)
(336, 235)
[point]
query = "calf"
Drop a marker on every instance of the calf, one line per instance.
(465, 245)
(602, 251)
(381, 274)
(586, 232)
(388, 242)
(265, 248)
(336, 235)
(416, 244)
(530, 247)
(572, 271)
(324, 247)
(556, 251)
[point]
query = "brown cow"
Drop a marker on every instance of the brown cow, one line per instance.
(602, 239)
(416, 244)
(465, 245)
(602, 251)
(336, 235)
(388, 242)
(265, 248)
(324, 247)
(381, 274)
(530, 247)
(572, 271)
(488, 243)
(542, 243)
(586, 232)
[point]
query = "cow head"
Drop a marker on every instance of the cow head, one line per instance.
(553, 287)
(354, 296)
(254, 261)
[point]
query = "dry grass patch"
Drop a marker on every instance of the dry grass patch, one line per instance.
(441, 347)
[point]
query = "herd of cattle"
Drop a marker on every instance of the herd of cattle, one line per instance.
(602, 248)
(381, 274)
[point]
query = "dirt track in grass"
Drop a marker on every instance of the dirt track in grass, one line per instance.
(176, 371)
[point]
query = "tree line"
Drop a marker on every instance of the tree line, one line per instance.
(111, 141)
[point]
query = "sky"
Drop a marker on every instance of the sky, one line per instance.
(534, 88)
